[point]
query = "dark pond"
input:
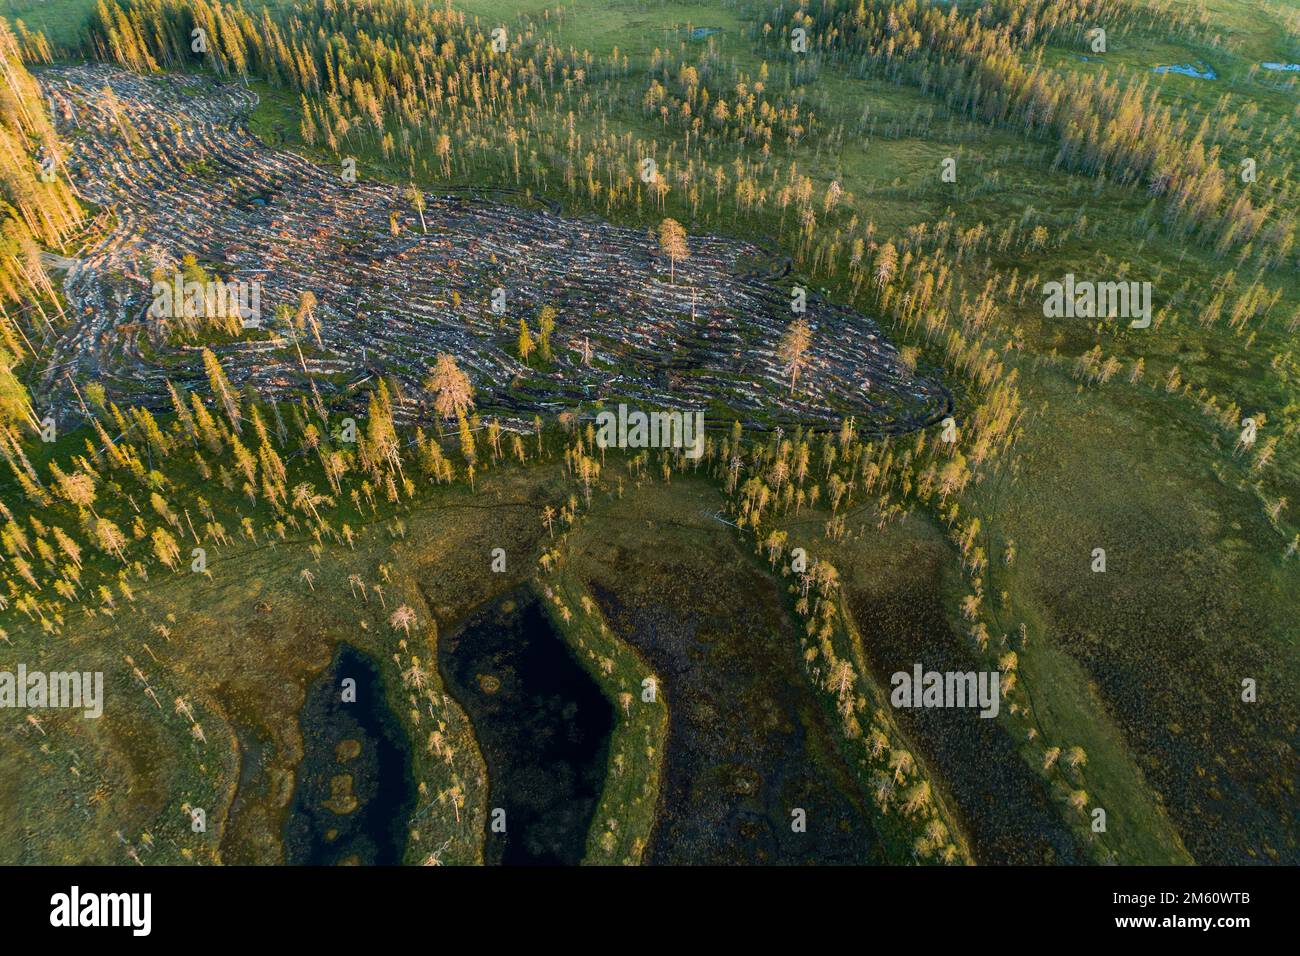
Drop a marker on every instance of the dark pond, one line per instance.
(356, 789)
(542, 724)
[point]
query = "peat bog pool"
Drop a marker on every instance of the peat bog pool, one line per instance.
(356, 788)
(1001, 803)
(542, 724)
(747, 739)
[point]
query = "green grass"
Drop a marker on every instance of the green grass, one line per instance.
(1195, 598)
(62, 21)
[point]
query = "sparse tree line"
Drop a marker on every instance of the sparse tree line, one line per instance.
(894, 778)
(854, 483)
(38, 208)
(424, 89)
(135, 494)
(824, 231)
(621, 829)
(1117, 127)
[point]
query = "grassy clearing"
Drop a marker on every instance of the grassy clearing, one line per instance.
(62, 21)
(1195, 598)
